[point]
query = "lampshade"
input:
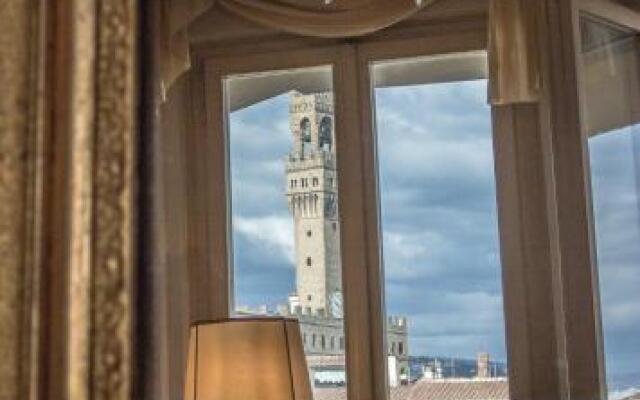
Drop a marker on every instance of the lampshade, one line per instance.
(247, 359)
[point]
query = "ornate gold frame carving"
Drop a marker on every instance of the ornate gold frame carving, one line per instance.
(94, 306)
(113, 187)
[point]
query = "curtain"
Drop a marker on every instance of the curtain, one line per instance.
(335, 19)
(513, 60)
(176, 15)
(318, 18)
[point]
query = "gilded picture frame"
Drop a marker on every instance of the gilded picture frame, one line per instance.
(68, 132)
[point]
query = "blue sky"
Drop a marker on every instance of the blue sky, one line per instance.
(440, 237)
(439, 217)
(617, 222)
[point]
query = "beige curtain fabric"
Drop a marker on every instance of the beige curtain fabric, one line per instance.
(513, 62)
(514, 74)
(176, 17)
(319, 18)
(338, 18)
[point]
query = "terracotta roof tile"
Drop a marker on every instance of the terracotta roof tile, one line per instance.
(441, 389)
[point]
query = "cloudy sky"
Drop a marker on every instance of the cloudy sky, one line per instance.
(439, 217)
(440, 239)
(617, 221)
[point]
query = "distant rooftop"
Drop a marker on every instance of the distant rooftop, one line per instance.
(438, 389)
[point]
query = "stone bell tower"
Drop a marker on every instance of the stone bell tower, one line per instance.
(312, 196)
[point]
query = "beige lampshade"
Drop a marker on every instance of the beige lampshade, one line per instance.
(247, 359)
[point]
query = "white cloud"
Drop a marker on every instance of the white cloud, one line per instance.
(273, 232)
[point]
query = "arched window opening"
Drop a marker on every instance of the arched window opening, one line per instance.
(305, 136)
(325, 140)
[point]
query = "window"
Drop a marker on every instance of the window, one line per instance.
(273, 140)
(611, 104)
(443, 289)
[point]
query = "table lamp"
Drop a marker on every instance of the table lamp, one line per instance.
(247, 359)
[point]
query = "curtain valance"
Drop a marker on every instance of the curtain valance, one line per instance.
(513, 60)
(338, 18)
(318, 18)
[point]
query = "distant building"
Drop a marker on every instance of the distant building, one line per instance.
(312, 197)
(429, 388)
(446, 389)
(482, 370)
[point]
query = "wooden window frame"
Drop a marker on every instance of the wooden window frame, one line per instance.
(365, 320)
(546, 239)
(352, 217)
(458, 38)
(549, 145)
(622, 16)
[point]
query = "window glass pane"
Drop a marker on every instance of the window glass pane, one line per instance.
(443, 290)
(284, 192)
(611, 109)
